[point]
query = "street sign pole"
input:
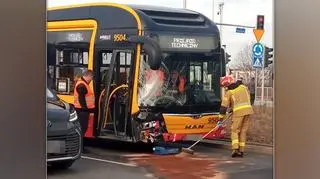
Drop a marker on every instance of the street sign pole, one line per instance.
(262, 86)
(213, 11)
(184, 4)
(258, 62)
(258, 51)
(256, 83)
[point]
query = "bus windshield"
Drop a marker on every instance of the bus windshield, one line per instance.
(184, 83)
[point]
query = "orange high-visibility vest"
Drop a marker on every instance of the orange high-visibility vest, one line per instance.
(149, 74)
(182, 82)
(159, 74)
(89, 96)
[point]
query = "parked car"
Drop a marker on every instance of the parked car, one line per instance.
(64, 139)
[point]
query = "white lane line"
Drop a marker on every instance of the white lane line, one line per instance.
(136, 155)
(109, 161)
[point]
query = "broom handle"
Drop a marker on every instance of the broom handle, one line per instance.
(209, 132)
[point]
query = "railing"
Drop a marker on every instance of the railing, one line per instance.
(267, 99)
(268, 94)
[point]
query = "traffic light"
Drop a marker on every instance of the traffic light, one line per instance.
(267, 56)
(228, 58)
(260, 22)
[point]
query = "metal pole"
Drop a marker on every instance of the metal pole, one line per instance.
(262, 86)
(213, 10)
(256, 83)
(221, 18)
(235, 25)
(184, 4)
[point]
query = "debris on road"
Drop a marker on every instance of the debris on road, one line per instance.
(177, 166)
(165, 150)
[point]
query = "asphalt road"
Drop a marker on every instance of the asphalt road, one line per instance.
(114, 160)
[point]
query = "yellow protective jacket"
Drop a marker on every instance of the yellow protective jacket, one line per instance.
(237, 97)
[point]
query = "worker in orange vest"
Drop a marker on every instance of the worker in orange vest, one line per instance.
(237, 97)
(84, 100)
(182, 83)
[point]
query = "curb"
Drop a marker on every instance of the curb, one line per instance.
(262, 149)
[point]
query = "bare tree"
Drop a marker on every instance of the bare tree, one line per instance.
(243, 59)
(243, 63)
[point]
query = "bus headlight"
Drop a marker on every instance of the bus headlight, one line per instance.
(73, 116)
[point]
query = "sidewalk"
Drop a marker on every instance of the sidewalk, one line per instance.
(226, 144)
(250, 147)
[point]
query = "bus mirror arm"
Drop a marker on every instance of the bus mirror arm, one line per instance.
(151, 47)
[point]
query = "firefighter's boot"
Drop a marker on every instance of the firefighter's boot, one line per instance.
(235, 153)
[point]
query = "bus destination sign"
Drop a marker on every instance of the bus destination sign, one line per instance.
(184, 43)
(75, 37)
(188, 43)
(69, 36)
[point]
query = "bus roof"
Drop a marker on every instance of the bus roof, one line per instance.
(142, 17)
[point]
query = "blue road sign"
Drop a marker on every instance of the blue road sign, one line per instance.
(240, 30)
(258, 55)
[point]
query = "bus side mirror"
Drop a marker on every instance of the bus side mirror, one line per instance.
(151, 47)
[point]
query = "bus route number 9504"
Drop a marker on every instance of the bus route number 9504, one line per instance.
(119, 37)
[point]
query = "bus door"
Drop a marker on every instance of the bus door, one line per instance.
(114, 96)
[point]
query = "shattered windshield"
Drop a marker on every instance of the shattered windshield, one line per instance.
(182, 80)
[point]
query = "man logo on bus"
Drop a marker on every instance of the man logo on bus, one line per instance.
(194, 126)
(105, 37)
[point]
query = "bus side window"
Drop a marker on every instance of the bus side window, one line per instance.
(124, 61)
(70, 64)
(125, 64)
(104, 67)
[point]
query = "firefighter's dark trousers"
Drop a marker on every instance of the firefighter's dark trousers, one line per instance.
(239, 128)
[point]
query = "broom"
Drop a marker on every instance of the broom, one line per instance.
(190, 151)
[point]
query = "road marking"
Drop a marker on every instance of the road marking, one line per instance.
(109, 161)
(136, 155)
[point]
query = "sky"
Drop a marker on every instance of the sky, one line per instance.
(239, 12)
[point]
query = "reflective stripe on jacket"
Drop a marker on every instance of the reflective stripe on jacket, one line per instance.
(89, 96)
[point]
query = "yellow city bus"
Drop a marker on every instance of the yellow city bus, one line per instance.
(157, 69)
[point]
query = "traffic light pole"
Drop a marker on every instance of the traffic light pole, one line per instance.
(221, 18)
(256, 84)
(213, 11)
(262, 86)
(234, 25)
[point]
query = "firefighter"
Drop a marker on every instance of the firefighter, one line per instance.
(237, 98)
(84, 100)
